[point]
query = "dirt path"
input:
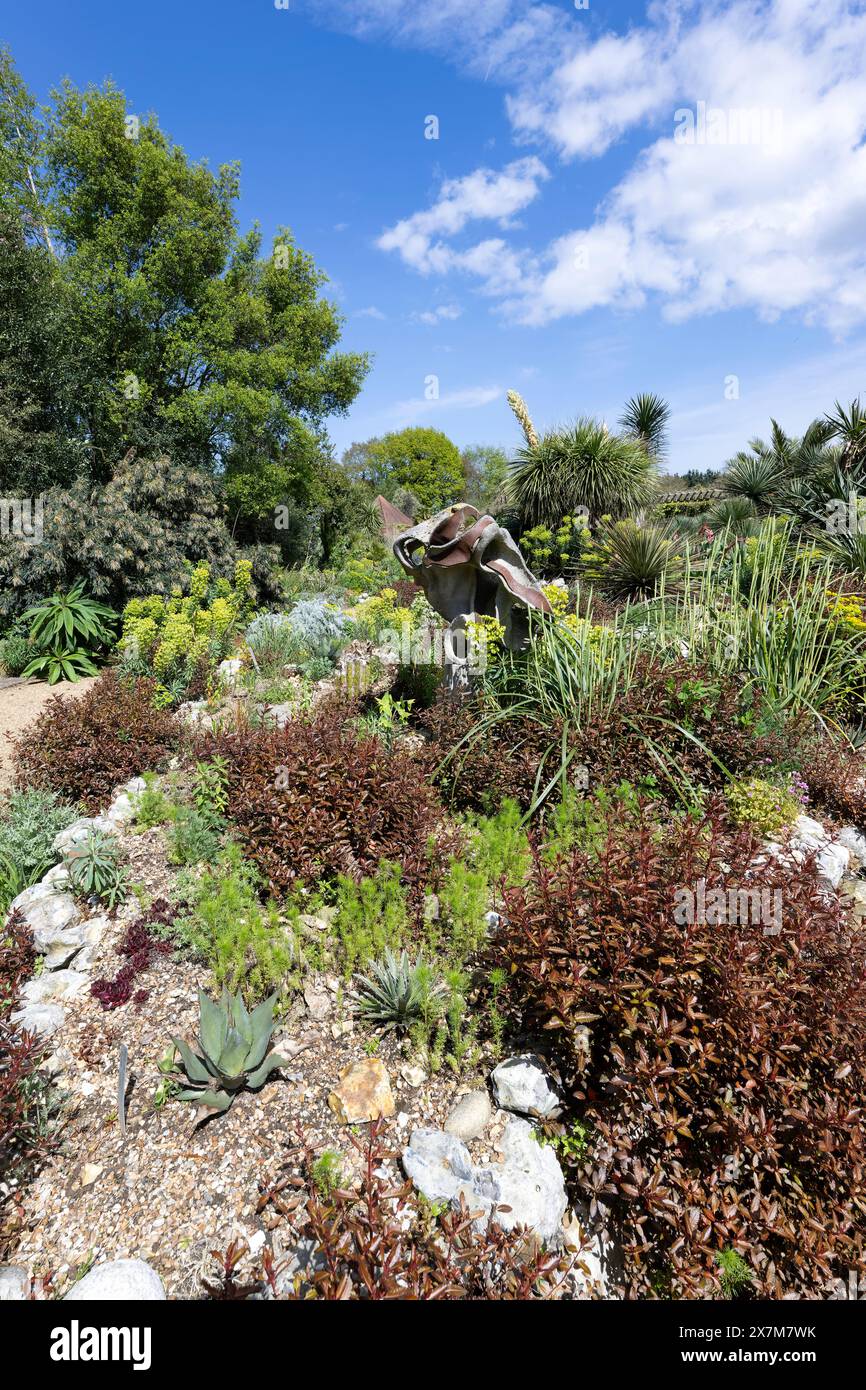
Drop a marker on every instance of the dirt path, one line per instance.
(19, 706)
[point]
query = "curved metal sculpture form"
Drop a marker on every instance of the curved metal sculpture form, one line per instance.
(468, 565)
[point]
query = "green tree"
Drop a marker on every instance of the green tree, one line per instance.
(421, 461)
(485, 470)
(186, 339)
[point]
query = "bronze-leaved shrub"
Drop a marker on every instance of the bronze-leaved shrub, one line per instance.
(724, 1071)
(83, 746)
(317, 799)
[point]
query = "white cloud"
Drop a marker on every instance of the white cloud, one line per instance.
(370, 313)
(774, 227)
(441, 314)
(485, 195)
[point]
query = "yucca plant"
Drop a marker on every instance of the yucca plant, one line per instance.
(756, 478)
(399, 992)
(582, 465)
(233, 1052)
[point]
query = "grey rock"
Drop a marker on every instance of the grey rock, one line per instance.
(281, 714)
(58, 876)
(14, 1284)
(524, 1084)
(470, 1116)
(47, 910)
(42, 1000)
(853, 841)
(438, 1164)
(122, 810)
(318, 1002)
(528, 1182)
(832, 863)
(125, 1281)
(808, 835)
(80, 829)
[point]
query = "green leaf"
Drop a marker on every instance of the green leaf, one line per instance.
(233, 1054)
(259, 1077)
(193, 1065)
(213, 1026)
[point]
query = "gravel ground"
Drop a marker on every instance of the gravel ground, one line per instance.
(164, 1191)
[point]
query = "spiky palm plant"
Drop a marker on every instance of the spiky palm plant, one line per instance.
(737, 514)
(849, 426)
(640, 560)
(754, 477)
(581, 465)
(646, 417)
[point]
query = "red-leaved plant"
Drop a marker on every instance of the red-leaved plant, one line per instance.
(723, 1073)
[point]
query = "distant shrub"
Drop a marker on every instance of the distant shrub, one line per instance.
(720, 1066)
(16, 652)
(317, 799)
(81, 749)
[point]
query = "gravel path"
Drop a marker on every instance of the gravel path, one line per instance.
(19, 705)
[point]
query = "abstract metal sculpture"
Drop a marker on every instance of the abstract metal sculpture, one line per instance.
(468, 565)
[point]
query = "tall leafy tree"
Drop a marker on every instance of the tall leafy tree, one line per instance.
(420, 461)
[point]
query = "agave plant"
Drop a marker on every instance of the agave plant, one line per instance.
(234, 1052)
(398, 992)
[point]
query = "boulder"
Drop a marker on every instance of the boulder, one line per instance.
(808, 835)
(42, 1000)
(229, 673)
(118, 1281)
(14, 1284)
(364, 1093)
(853, 841)
(525, 1084)
(47, 910)
(832, 865)
(470, 1116)
(528, 1182)
(80, 829)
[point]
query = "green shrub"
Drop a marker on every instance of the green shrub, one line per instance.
(765, 805)
(16, 651)
(29, 822)
(371, 917)
(246, 946)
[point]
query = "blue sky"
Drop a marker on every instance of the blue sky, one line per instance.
(571, 233)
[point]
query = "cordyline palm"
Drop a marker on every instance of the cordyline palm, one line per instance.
(640, 559)
(581, 465)
(646, 417)
(849, 427)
